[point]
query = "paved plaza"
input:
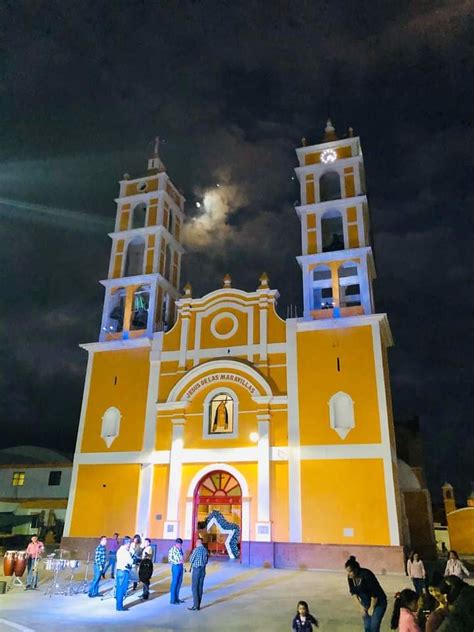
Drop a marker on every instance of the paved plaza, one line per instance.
(236, 597)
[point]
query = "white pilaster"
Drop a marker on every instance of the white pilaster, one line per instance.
(171, 525)
(183, 344)
(145, 489)
(294, 456)
(263, 526)
(263, 330)
(388, 459)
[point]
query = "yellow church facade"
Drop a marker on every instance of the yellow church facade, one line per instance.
(272, 439)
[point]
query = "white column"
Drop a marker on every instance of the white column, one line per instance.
(145, 489)
(263, 526)
(171, 527)
(294, 452)
(389, 454)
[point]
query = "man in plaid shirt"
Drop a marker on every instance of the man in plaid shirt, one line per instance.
(198, 561)
(176, 559)
(99, 566)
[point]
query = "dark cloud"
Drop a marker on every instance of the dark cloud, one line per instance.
(232, 87)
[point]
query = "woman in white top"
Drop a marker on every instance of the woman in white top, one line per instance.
(416, 572)
(454, 566)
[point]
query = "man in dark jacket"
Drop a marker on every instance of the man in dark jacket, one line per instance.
(145, 573)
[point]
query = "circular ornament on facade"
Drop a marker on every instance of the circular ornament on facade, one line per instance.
(142, 186)
(224, 325)
(328, 155)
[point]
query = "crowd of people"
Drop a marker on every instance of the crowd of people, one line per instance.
(131, 561)
(442, 603)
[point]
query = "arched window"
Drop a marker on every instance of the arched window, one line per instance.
(168, 256)
(141, 303)
(116, 311)
(341, 414)
(220, 414)
(139, 216)
(135, 255)
(322, 288)
(349, 288)
(332, 231)
(329, 186)
(110, 425)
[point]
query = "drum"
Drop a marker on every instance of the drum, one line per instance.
(9, 562)
(19, 565)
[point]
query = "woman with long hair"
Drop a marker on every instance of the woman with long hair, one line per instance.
(304, 620)
(416, 572)
(404, 612)
(367, 593)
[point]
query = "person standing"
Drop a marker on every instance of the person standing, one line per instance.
(176, 559)
(122, 575)
(404, 612)
(145, 570)
(34, 551)
(368, 593)
(136, 551)
(416, 572)
(198, 561)
(112, 549)
(100, 558)
(454, 566)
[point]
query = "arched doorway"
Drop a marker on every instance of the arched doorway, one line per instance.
(217, 514)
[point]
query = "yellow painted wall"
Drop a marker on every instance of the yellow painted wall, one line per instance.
(106, 500)
(341, 494)
(461, 530)
(319, 379)
(128, 394)
(159, 500)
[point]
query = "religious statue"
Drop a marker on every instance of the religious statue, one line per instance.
(220, 423)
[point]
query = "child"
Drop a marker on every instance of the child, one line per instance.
(304, 621)
(404, 612)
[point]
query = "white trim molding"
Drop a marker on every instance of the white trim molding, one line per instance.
(294, 450)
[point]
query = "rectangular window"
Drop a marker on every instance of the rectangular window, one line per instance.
(55, 478)
(18, 479)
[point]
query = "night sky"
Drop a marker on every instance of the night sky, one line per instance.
(232, 87)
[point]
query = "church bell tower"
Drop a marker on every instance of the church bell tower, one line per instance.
(336, 260)
(144, 272)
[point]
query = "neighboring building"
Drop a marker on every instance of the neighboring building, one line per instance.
(460, 522)
(418, 527)
(34, 488)
(273, 439)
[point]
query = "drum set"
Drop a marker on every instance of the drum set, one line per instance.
(63, 569)
(63, 580)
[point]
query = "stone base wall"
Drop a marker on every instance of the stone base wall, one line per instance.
(380, 559)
